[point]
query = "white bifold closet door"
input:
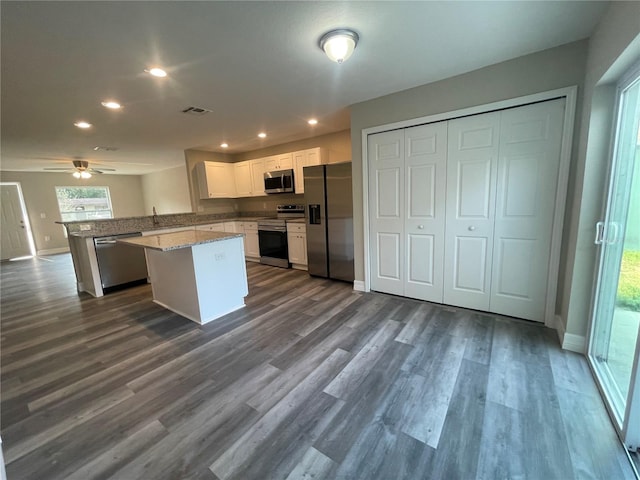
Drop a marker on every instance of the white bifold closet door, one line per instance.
(528, 169)
(461, 212)
(406, 214)
(470, 209)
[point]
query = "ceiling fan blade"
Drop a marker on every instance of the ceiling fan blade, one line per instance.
(103, 169)
(63, 169)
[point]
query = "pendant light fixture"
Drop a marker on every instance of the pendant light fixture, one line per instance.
(339, 44)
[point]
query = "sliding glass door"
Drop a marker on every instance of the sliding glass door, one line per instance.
(614, 345)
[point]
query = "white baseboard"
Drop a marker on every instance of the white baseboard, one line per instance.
(52, 251)
(569, 341)
(358, 286)
(575, 343)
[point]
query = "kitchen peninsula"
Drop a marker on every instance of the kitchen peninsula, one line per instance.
(200, 275)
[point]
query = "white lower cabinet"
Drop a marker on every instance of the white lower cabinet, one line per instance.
(251, 245)
(462, 211)
(297, 241)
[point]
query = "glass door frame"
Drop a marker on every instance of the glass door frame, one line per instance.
(627, 426)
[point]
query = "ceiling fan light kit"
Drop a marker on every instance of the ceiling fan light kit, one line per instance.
(339, 44)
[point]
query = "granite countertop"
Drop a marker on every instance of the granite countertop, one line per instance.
(118, 230)
(174, 241)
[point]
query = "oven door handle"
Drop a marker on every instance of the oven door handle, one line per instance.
(271, 229)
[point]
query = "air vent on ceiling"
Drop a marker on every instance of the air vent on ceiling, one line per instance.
(105, 149)
(196, 110)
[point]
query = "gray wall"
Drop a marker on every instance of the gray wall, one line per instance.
(40, 198)
(613, 48)
(167, 190)
(547, 70)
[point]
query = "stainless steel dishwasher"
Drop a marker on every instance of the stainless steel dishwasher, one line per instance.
(119, 264)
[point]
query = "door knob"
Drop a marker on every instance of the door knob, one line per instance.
(471, 228)
(421, 227)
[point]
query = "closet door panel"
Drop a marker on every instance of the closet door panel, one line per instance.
(530, 143)
(425, 178)
(473, 144)
(386, 211)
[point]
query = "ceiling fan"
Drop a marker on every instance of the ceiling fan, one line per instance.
(81, 169)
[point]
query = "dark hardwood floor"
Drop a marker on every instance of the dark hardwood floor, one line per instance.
(309, 381)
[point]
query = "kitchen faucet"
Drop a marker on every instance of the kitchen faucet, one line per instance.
(155, 216)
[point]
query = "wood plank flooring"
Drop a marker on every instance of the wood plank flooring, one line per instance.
(309, 381)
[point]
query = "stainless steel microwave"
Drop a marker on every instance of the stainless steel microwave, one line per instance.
(279, 181)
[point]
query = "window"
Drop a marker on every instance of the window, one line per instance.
(84, 203)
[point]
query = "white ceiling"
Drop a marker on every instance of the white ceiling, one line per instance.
(256, 65)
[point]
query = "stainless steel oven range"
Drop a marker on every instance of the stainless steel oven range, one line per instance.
(272, 236)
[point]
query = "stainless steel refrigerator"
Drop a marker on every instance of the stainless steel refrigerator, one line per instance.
(327, 193)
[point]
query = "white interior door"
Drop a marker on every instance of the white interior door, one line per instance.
(386, 207)
(425, 177)
(13, 230)
(473, 144)
(528, 165)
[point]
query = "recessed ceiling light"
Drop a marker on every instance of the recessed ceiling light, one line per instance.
(262, 135)
(156, 72)
(224, 145)
(82, 124)
(111, 104)
(313, 121)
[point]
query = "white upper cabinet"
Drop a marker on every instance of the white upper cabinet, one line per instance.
(257, 177)
(216, 180)
(242, 174)
(281, 161)
(306, 158)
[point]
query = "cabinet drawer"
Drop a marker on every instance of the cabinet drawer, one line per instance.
(214, 227)
(296, 228)
(250, 226)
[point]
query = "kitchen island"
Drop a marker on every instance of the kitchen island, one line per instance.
(200, 275)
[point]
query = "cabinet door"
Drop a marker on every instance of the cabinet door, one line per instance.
(271, 163)
(252, 247)
(216, 180)
(297, 248)
(242, 176)
(386, 211)
(284, 161)
(471, 191)
(257, 177)
(301, 159)
(530, 143)
(303, 248)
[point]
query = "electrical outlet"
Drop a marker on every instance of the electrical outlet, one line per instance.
(43, 215)
(219, 257)
(47, 238)
(84, 227)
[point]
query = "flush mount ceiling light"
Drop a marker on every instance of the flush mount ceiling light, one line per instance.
(224, 145)
(111, 104)
(82, 124)
(339, 44)
(156, 72)
(312, 121)
(262, 135)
